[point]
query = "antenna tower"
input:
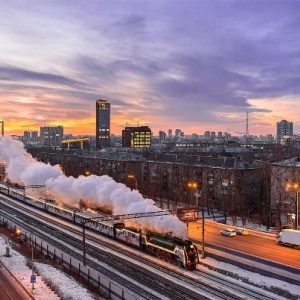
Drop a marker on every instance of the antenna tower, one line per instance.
(247, 128)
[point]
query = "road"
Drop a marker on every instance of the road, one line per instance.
(256, 243)
(10, 289)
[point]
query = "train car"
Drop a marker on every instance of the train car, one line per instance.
(170, 249)
(173, 250)
(3, 188)
(129, 236)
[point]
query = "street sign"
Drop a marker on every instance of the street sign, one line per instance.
(187, 214)
(33, 278)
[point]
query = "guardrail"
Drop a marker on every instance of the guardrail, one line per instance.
(104, 284)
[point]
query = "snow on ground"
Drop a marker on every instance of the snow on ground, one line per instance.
(16, 264)
(255, 278)
(67, 286)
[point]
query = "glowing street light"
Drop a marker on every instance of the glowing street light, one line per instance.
(194, 186)
(130, 176)
(296, 188)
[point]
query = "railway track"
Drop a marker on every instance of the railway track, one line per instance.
(171, 283)
(144, 282)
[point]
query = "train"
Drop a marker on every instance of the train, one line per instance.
(183, 253)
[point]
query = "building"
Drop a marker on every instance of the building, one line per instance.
(76, 144)
(284, 128)
(27, 135)
(136, 137)
(34, 134)
(284, 192)
(2, 127)
(51, 136)
(161, 136)
(102, 124)
(207, 135)
(177, 132)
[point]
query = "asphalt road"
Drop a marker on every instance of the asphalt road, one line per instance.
(10, 289)
(256, 243)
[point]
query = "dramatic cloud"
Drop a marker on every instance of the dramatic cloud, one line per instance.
(194, 65)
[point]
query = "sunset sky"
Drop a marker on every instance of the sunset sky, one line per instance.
(188, 64)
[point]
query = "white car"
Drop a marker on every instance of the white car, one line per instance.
(228, 232)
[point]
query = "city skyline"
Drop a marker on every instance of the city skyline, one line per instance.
(192, 65)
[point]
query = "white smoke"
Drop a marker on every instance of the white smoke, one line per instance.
(98, 191)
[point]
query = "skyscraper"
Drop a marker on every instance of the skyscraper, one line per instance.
(102, 124)
(284, 128)
(162, 136)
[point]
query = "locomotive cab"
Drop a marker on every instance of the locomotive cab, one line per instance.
(192, 258)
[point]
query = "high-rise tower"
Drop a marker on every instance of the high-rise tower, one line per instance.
(102, 124)
(284, 128)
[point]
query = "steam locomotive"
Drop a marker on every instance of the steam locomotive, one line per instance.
(176, 251)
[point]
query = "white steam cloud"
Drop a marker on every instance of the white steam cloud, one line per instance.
(97, 191)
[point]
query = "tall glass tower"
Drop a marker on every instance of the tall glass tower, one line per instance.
(102, 124)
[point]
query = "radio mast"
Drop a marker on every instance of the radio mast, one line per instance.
(247, 128)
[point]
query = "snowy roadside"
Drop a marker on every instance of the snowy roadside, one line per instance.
(68, 288)
(65, 286)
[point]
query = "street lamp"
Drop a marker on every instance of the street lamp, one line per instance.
(33, 277)
(194, 185)
(295, 187)
(130, 176)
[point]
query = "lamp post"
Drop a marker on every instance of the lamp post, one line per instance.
(296, 188)
(130, 176)
(31, 239)
(33, 277)
(194, 185)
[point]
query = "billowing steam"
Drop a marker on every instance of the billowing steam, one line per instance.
(96, 191)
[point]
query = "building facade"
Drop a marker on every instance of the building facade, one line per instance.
(136, 137)
(162, 136)
(51, 136)
(285, 188)
(284, 128)
(102, 124)
(2, 127)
